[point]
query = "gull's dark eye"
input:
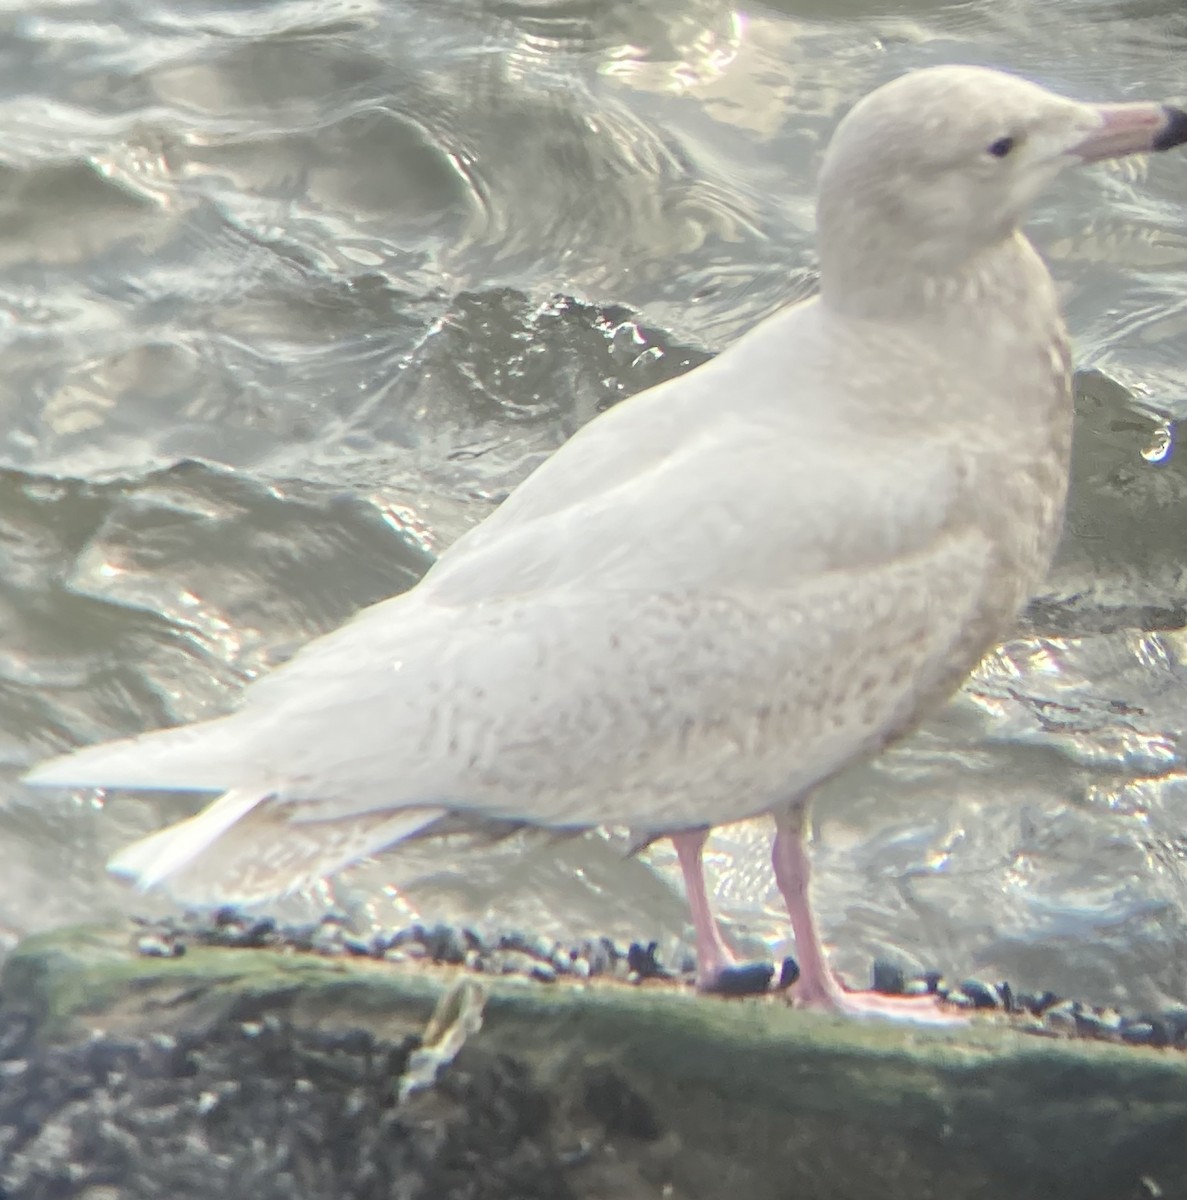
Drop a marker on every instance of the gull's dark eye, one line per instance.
(1002, 147)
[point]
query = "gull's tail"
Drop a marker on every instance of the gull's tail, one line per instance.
(252, 843)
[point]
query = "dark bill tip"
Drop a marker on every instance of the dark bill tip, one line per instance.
(1174, 133)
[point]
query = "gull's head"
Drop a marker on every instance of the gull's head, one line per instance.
(940, 164)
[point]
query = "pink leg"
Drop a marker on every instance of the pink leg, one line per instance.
(713, 955)
(817, 986)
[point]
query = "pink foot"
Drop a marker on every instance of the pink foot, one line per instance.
(921, 1010)
(817, 986)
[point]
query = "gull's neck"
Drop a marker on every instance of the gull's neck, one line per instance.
(992, 328)
(882, 283)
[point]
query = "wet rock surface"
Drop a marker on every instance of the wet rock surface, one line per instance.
(257, 1071)
(266, 1109)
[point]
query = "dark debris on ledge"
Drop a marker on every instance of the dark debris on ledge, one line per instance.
(510, 953)
(546, 960)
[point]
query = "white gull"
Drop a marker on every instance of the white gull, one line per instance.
(726, 589)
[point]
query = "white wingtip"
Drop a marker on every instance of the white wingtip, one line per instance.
(248, 847)
(154, 858)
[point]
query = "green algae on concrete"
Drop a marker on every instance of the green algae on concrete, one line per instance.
(623, 1092)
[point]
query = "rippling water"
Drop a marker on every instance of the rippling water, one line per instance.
(292, 293)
